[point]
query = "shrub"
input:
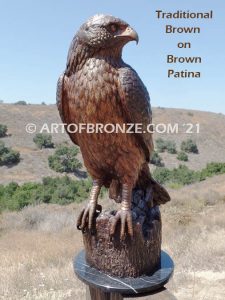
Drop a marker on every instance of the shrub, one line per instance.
(182, 156)
(11, 188)
(3, 130)
(156, 159)
(212, 169)
(61, 191)
(21, 102)
(162, 175)
(171, 147)
(65, 159)
(184, 176)
(8, 156)
(189, 146)
(43, 140)
(3, 148)
(163, 145)
(23, 196)
(181, 175)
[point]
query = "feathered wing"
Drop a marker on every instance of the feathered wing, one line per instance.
(62, 104)
(136, 106)
(59, 96)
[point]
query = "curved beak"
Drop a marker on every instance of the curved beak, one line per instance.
(130, 34)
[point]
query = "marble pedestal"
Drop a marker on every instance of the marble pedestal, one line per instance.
(105, 287)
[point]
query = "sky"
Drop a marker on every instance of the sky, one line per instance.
(35, 37)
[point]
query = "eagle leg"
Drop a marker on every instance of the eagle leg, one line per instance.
(124, 215)
(85, 219)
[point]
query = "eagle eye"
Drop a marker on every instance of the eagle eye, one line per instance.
(113, 28)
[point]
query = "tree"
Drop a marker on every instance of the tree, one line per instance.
(43, 140)
(3, 130)
(189, 146)
(156, 159)
(182, 156)
(8, 156)
(65, 159)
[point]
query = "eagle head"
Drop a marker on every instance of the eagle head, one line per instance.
(104, 31)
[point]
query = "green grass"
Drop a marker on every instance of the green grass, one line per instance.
(184, 176)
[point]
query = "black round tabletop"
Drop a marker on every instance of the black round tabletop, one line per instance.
(131, 286)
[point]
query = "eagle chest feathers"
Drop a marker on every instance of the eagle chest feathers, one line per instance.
(96, 97)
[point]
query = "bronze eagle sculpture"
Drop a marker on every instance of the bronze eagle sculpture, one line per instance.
(98, 87)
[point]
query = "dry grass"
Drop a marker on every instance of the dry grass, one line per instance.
(193, 233)
(36, 250)
(37, 246)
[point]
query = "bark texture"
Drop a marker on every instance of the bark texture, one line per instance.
(130, 257)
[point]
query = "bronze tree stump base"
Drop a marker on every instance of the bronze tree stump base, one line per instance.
(130, 257)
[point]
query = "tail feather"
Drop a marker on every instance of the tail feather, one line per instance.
(160, 194)
(155, 193)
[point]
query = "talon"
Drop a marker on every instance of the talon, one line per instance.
(79, 220)
(125, 218)
(85, 219)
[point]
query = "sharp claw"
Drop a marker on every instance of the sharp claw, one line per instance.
(88, 213)
(85, 215)
(126, 219)
(79, 220)
(114, 223)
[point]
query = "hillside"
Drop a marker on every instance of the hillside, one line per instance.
(38, 242)
(34, 163)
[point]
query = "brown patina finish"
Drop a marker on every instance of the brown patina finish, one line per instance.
(99, 87)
